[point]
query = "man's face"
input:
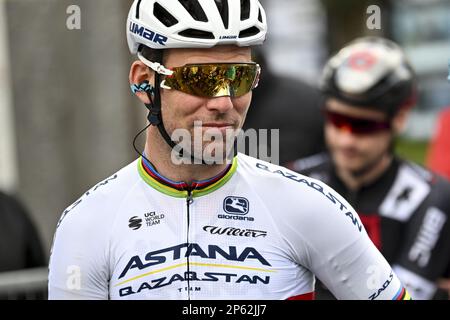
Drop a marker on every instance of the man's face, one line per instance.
(217, 115)
(355, 153)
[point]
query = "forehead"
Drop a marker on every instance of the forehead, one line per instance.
(354, 111)
(179, 57)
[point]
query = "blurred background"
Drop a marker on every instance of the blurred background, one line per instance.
(68, 118)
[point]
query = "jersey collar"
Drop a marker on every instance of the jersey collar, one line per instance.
(376, 189)
(180, 189)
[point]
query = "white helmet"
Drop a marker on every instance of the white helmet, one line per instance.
(195, 23)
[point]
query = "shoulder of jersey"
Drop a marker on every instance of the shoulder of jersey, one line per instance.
(107, 194)
(260, 169)
(439, 186)
(426, 175)
(295, 197)
(277, 178)
(420, 172)
(315, 162)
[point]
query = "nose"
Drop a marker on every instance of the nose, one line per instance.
(345, 136)
(220, 104)
(342, 136)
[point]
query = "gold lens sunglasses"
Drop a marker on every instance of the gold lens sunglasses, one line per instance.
(209, 79)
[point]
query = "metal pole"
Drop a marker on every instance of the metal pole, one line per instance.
(8, 156)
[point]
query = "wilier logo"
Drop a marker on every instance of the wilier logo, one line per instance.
(236, 208)
(230, 231)
(135, 223)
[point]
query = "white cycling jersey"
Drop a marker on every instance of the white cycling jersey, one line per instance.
(256, 231)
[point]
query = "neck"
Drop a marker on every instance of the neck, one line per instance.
(354, 181)
(160, 155)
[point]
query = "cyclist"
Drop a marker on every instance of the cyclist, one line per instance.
(158, 229)
(369, 88)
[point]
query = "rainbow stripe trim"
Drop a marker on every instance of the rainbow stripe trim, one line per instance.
(180, 189)
(402, 294)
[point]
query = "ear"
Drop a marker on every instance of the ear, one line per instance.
(399, 120)
(139, 72)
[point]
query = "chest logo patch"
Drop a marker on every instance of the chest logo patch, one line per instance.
(236, 205)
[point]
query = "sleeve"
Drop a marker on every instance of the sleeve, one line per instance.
(332, 243)
(424, 254)
(79, 259)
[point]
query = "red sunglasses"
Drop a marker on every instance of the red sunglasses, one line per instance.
(356, 125)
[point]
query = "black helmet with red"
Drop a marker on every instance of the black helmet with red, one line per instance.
(371, 72)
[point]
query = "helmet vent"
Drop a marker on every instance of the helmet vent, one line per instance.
(138, 7)
(249, 32)
(222, 6)
(164, 16)
(195, 9)
(194, 33)
(245, 9)
(260, 16)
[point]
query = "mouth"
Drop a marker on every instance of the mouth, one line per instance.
(218, 125)
(223, 128)
(217, 131)
(349, 153)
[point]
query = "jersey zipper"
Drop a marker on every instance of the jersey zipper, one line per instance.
(189, 201)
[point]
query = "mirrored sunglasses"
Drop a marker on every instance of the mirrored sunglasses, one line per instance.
(356, 125)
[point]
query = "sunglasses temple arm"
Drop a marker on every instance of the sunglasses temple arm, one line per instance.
(155, 66)
(164, 86)
(258, 74)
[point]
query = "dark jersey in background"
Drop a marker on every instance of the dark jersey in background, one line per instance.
(406, 214)
(20, 245)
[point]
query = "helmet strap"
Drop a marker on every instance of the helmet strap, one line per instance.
(155, 115)
(154, 107)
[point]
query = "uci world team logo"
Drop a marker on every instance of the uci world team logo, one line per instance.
(235, 205)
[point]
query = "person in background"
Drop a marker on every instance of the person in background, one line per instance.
(20, 245)
(290, 105)
(369, 88)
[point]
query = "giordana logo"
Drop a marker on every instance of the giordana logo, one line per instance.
(135, 223)
(230, 231)
(235, 205)
(236, 209)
